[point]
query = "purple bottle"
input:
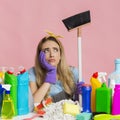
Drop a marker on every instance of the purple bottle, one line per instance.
(116, 100)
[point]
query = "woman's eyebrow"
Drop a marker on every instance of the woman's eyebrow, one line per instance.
(46, 48)
(56, 47)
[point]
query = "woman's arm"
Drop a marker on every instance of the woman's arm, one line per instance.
(39, 94)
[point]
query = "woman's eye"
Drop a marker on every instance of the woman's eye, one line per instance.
(46, 50)
(55, 50)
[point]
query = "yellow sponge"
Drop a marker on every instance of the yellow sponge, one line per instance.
(69, 108)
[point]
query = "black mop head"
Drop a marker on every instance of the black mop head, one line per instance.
(77, 20)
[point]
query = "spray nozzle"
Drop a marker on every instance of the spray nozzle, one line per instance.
(7, 88)
(101, 76)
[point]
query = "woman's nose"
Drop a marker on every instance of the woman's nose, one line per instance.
(51, 53)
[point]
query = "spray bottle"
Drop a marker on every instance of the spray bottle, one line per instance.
(7, 111)
(11, 78)
(1, 97)
(95, 83)
(103, 97)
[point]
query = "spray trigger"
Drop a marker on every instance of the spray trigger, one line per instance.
(101, 76)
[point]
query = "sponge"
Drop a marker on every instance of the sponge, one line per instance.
(69, 108)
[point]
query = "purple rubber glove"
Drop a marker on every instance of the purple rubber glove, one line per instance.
(51, 70)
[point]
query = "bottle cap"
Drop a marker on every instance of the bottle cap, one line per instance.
(86, 86)
(95, 75)
(117, 60)
(10, 70)
(117, 87)
(21, 69)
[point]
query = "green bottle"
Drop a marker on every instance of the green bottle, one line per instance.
(11, 79)
(103, 99)
(7, 111)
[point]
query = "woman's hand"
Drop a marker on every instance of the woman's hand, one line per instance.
(51, 70)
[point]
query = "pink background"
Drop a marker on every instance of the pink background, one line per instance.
(23, 24)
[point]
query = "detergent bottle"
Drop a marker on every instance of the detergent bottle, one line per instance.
(1, 97)
(116, 100)
(7, 111)
(95, 83)
(11, 78)
(103, 99)
(2, 72)
(114, 77)
(23, 91)
(86, 98)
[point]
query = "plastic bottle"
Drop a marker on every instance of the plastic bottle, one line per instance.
(86, 98)
(103, 99)
(114, 77)
(23, 93)
(95, 83)
(7, 111)
(2, 72)
(11, 79)
(116, 100)
(1, 97)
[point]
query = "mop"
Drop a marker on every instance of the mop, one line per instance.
(76, 22)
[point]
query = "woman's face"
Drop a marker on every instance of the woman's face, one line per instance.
(52, 52)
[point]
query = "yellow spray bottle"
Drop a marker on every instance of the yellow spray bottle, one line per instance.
(7, 111)
(95, 83)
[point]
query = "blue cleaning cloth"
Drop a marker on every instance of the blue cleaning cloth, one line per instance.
(84, 116)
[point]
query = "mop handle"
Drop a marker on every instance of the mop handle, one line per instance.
(79, 61)
(79, 54)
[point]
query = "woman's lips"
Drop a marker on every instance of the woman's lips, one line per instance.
(51, 60)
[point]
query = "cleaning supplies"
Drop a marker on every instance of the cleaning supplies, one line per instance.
(116, 102)
(23, 94)
(1, 97)
(86, 98)
(2, 72)
(84, 116)
(40, 106)
(72, 109)
(11, 79)
(103, 99)
(7, 111)
(107, 117)
(114, 77)
(95, 83)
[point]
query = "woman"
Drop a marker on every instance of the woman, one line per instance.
(51, 74)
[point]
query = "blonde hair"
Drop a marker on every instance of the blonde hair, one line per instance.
(63, 70)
